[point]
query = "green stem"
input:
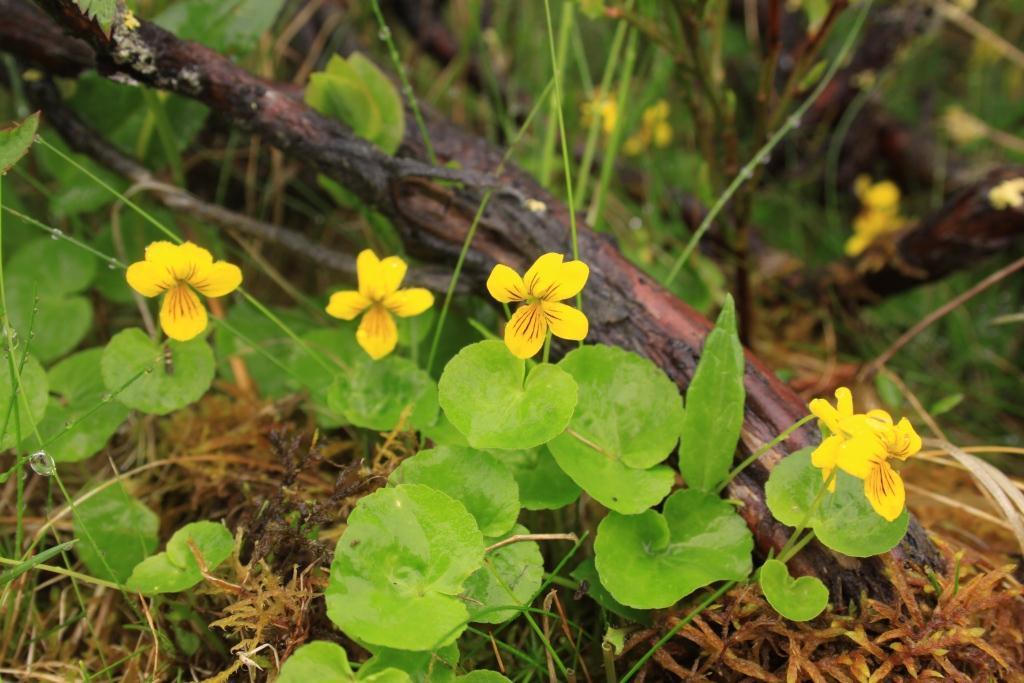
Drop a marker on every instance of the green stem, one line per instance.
(752, 458)
(792, 122)
(396, 61)
(797, 547)
(557, 67)
(547, 347)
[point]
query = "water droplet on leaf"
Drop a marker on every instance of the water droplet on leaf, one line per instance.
(384, 33)
(42, 464)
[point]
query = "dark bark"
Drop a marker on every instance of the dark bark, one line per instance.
(626, 308)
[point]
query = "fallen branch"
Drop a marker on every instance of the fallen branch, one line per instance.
(626, 308)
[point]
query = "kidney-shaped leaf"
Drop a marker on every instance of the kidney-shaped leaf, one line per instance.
(799, 599)
(652, 560)
(177, 377)
(511, 575)
(115, 531)
(627, 406)
(483, 393)
(542, 483)
(623, 489)
(177, 569)
(15, 141)
(400, 566)
(474, 478)
(322, 661)
(376, 395)
(844, 520)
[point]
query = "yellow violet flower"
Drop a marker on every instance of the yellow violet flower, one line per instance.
(1008, 194)
(879, 216)
(178, 271)
(548, 282)
(379, 296)
(604, 106)
(861, 445)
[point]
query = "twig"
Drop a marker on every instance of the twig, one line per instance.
(520, 538)
(871, 368)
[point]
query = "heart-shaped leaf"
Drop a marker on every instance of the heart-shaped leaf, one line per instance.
(15, 141)
(511, 575)
(799, 599)
(32, 391)
(376, 395)
(623, 489)
(542, 483)
(82, 417)
(844, 520)
(322, 661)
(714, 406)
(627, 407)
(483, 392)
(586, 574)
(58, 322)
(72, 268)
(115, 532)
(421, 667)
(400, 566)
(176, 569)
(474, 478)
(653, 560)
(159, 379)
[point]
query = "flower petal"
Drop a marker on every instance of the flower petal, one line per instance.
(367, 267)
(182, 315)
(408, 302)
(571, 278)
(844, 402)
(217, 279)
(551, 279)
(543, 274)
(347, 305)
(525, 332)
(904, 440)
(505, 285)
(884, 490)
(378, 278)
(148, 279)
(826, 412)
(377, 333)
(565, 321)
(859, 454)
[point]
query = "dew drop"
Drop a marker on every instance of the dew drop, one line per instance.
(746, 173)
(56, 233)
(68, 424)
(106, 397)
(767, 159)
(42, 464)
(112, 264)
(13, 340)
(384, 33)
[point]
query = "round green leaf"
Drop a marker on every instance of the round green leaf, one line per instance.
(652, 560)
(33, 390)
(82, 418)
(176, 569)
(511, 575)
(620, 488)
(799, 599)
(844, 520)
(627, 406)
(483, 393)
(58, 322)
(474, 478)
(168, 386)
(400, 566)
(421, 667)
(542, 483)
(375, 395)
(69, 267)
(320, 661)
(115, 532)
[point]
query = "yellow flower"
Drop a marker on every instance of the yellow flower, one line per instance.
(548, 282)
(1008, 194)
(179, 271)
(130, 21)
(861, 445)
(604, 106)
(879, 216)
(379, 296)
